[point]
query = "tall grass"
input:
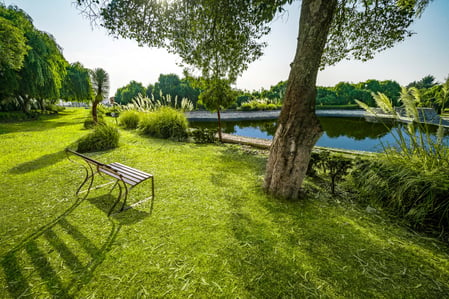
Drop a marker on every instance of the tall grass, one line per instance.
(145, 104)
(410, 178)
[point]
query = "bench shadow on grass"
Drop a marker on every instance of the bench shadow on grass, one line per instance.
(60, 256)
(127, 217)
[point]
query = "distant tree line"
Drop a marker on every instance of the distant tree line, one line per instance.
(167, 85)
(344, 93)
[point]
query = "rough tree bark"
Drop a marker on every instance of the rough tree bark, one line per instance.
(298, 126)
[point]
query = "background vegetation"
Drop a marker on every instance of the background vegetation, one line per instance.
(212, 232)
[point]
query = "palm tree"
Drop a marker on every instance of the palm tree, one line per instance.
(100, 85)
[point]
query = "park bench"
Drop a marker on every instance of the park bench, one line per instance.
(123, 176)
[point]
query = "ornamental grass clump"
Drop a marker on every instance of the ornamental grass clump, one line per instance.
(410, 178)
(103, 137)
(129, 119)
(165, 122)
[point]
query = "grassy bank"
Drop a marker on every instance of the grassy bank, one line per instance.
(212, 231)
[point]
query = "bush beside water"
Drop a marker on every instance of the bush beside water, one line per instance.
(410, 181)
(166, 123)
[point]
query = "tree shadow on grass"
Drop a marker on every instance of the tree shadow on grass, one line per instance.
(32, 126)
(46, 122)
(39, 163)
(60, 256)
(321, 248)
(317, 252)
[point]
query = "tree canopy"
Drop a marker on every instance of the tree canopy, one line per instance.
(33, 70)
(76, 84)
(127, 93)
(220, 38)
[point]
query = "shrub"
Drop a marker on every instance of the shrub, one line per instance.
(89, 122)
(166, 123)
(335, 166)
(54, 108)
(103, 137)
(129, 119)
(18, 116)
(261, 104)
(203, 135)
(410, 180)
(405, 190)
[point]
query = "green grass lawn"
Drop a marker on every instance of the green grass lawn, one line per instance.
(212, 231)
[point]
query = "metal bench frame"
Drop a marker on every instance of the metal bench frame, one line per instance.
(125, 177)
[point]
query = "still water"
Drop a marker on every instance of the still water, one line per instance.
(344, 133)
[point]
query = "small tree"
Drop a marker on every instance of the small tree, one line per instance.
(216, 96)
(100, 84)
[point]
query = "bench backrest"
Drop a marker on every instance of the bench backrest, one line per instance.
(86, 158)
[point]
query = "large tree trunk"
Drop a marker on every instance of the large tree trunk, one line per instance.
(298, 126)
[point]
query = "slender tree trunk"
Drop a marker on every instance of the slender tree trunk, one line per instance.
(95, 103)
(299, 128)
(219, 125)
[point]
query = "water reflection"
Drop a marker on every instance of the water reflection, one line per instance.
(345, 133)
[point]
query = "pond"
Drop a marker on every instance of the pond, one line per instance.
(339, 132)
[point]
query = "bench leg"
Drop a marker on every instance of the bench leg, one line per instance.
(126, 197)
(89, 174)
(118, 198)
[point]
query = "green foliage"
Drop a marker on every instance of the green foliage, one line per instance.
(77, 85)
(261, 104)
(125, 94)
(17, 116)
(425, 83)
(165, 122)
(100, 84)
(216, 95)
(222, 42)
(406, 190)
(333, 165)
(103, 137)
(347, 93)
(129, 119)
(361, 28)
(211, 234)
(42, 68)
(54, 108)
(89, 123)
(203, 135)
(410, 179)
(146, 104)
(12, 43)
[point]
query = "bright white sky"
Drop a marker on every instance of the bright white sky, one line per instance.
(427, 52)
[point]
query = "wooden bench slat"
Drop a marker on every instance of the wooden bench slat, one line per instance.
(114, 175)
(130, 173)
(132, 177)
(138, 173)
